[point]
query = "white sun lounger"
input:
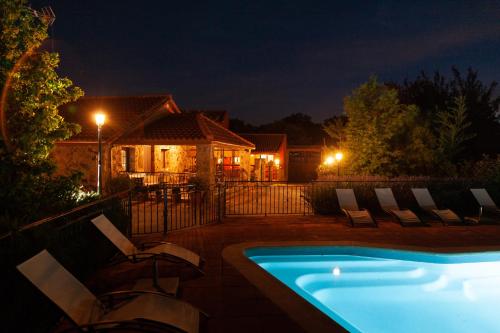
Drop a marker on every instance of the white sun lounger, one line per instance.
(164, 251)
(425, 201)
(388, 203)
(145, 311)
(349, 205)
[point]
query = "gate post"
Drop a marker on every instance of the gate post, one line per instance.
(165, 210)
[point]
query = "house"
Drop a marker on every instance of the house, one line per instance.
(269, 160)
(303, 162)
(150, 139)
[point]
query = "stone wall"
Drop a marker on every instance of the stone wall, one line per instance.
(179, 158)
(83, 158)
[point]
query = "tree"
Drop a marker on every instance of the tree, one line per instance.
(31, 124)
(382, 134)
(432, 95)
(453, 135)
(335, 128)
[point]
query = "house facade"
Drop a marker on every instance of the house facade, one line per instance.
(150, 139)
(269, 159)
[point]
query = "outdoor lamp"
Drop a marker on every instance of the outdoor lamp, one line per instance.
(329, 160)
(339, 156)
(99, 120)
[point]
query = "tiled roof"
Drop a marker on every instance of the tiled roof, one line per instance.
(122, 112)
(219, 116)
(265, 143)
(184, 128)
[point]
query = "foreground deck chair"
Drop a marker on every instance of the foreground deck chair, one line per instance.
(488, 210)
(425, 201)
(163, 250)
(388, 203)
(147, 311)
(349, 205)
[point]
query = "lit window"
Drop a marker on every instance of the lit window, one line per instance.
(237, 160)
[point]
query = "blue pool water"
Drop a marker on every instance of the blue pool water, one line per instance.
(382, 290)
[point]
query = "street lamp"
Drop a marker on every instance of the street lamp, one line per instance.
(99, 120)
(338, 156)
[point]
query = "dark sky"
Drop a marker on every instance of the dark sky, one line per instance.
(262, 60)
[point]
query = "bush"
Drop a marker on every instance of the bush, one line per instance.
(119, 184)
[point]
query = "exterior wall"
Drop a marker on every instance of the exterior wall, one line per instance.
(180, 158)
(83, 158)
(245, 164)
(205, 162)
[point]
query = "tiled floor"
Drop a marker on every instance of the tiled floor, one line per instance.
(237, 306)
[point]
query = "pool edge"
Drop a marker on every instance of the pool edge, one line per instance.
(298, 309)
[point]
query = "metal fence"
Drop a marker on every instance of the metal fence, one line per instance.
(267, 198)
(164, 208)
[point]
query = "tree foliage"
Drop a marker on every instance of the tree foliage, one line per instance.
(33, 93)
(437, 93)
(383, 135)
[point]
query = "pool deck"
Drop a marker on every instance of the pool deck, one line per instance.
(236, 305)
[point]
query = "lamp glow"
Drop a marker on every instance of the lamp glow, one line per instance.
(339, 156)
(329, 160)
(277, 161)
(99, 119)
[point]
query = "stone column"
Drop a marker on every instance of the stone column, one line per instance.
(205, 163)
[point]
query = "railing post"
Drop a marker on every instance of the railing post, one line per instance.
(165, 210)
(129, 213)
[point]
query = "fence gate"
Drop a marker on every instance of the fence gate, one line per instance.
(267, 198)
(164, 208)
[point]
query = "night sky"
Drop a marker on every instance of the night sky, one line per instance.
(262, 60)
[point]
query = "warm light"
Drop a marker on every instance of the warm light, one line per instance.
(219, 161)
(270, 157)
(263, 157)
(339, 156)
(99, 119)
(277, 161)
(329, 160)
(237, 159)
(336, 271)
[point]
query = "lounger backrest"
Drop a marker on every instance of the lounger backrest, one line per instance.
(483, 198)
(347, 199)
(424, 198)
(386, 199)
(60, 286)
(114, 235)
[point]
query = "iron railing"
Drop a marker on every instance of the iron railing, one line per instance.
(156, 178)
(266, 198)
(167, 207)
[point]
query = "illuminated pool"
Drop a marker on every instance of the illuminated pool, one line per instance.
(382, 290)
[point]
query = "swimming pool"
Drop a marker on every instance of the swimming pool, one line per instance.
(383, 290)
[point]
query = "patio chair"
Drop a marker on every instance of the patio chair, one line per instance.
(425, 201)
(125, 310)
(349, 205)
(163, 250)
(388, 203)
(488, 210)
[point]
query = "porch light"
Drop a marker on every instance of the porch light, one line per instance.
(329, 160)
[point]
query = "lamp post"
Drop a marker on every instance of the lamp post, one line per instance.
(99, 120)
(338, 157)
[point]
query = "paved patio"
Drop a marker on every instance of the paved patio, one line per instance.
(237, 306)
